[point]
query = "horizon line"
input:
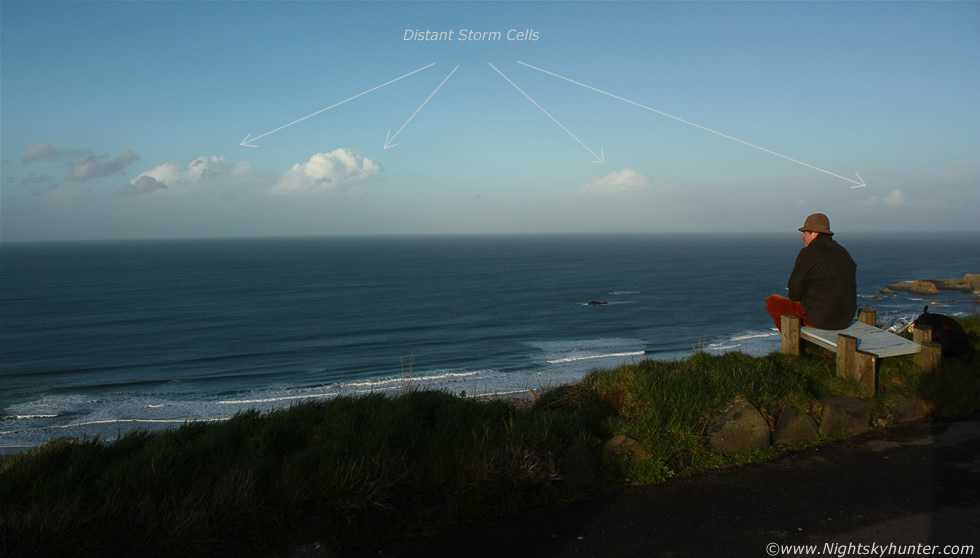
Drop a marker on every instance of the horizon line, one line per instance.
(299, 236)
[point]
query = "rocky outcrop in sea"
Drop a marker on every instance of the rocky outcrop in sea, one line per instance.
(970, 283)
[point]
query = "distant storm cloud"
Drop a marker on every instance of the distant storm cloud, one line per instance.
(618, 182)
(44, 150)
(99, 166)
(38, 151)
(171, 174)
(326, 172)
(895, 198)
(38, 179)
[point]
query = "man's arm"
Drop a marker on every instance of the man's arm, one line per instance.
(798, 278)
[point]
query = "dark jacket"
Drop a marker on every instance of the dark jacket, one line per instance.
(824, 280)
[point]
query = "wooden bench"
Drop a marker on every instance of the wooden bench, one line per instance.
(860, 345)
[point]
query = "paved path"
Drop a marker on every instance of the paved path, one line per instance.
(916, 484)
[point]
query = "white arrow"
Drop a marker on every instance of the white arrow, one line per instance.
(857, 183)
(248, 142)
(601, 158)
(390, 139)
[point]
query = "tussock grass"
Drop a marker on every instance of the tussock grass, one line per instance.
(666, 405)
(360, 470)
(366, 467)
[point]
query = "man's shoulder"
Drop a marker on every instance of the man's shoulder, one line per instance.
(832, 250)
(824, 242)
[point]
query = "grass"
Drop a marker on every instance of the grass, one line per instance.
(360, 470)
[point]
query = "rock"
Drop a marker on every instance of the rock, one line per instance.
(579, 469)
(740, 426)
(682, 459)
(968, 284)
(844, 414)
(792, 426)
(907, 409)
(915, 287)
(620, 448)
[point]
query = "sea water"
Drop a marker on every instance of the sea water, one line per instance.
(97, 338)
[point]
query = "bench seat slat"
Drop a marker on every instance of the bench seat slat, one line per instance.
(870, 339)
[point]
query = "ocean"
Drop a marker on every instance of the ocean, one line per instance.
(97, 338)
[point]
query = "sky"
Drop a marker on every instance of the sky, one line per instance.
(129, 120)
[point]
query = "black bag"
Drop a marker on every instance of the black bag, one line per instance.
(947, 332)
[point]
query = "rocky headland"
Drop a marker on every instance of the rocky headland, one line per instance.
(969, 283)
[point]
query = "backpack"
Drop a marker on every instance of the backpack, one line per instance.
(947, 332)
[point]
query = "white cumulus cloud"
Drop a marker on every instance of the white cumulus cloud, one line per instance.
(618, 182)
(327, 171)
(171, 175)
(895, 198)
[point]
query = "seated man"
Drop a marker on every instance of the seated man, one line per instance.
(822, 287)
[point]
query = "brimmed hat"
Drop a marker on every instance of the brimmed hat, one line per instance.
(818, 222)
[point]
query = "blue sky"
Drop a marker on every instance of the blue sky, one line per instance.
(125, 119)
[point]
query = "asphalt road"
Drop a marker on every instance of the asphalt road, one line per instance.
(907, 490)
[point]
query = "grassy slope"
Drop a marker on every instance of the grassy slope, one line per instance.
(357, 470)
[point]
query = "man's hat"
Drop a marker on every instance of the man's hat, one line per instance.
(818, 222)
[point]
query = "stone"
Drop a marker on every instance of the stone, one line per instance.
(908, 409)
(916, 287)
(924, 287)
(844, 414)
(793, 426)
(740, 426)
(621, 448)
(969, 283)
(579, 469)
